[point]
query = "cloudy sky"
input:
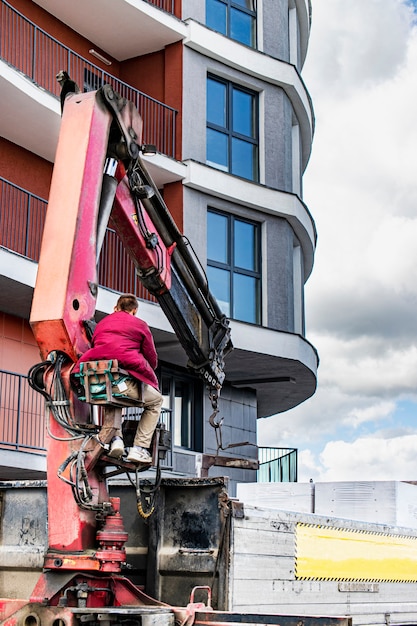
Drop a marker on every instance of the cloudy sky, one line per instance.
(361, 299)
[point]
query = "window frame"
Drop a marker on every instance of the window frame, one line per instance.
(196, 410)
(231, 267)
(233, 5)
(228, 130)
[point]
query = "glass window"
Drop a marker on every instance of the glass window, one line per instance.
(245, 245)
(234, 18)
(234, 265)
(219, 281)
(217, 239)
(243, 112)
(216, 16)
(216, 102)
(245, 289)
(243, 159)
(183, 397)
(232, 129)
(217, 149)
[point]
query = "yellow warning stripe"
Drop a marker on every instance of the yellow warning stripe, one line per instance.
(327, 553)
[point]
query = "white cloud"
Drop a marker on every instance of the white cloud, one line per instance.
(369, 459)
(367, 366)
(320, 419)
(361, 300)
(372, 413)
(392, 254)
(356, 43)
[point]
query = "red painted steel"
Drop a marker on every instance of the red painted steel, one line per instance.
(65, 296)
(67, 263)
(124, 220)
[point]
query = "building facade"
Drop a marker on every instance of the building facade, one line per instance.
(218, 83)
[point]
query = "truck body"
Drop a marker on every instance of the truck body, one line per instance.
(273, 563)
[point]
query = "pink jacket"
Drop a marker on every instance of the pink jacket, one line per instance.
(128, 339)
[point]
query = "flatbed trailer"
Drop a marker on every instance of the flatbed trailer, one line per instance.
(238, 562)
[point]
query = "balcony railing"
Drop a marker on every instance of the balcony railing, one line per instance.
(40, 57)
(277, 465)
(22, 415)
(165, 5)
(22, 428)
(22, 218)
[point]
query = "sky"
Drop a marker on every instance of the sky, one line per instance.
(361, 298)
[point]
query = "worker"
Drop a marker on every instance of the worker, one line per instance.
(127, 338)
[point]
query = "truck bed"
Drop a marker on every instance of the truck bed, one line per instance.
(256, 560)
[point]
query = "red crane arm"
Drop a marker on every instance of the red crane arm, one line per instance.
(100, 130)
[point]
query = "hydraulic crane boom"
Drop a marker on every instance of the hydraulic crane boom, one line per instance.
(100, 132)
(100, 179)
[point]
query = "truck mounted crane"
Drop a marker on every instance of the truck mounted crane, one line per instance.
(241, 558)
(100, 178)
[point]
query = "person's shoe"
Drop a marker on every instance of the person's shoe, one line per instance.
(139, 455)
(117, 448)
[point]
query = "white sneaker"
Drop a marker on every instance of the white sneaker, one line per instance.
(117, 448)
(139, 455)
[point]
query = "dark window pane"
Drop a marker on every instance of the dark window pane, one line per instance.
(243, 159)
(219, 282)
(217, 153)
(245, 246)
(245, 296)
(216, 16)
(243, 118)
(216, 102)
(241, 27)
(217, 246)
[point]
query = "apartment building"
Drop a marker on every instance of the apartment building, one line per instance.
(218, 83)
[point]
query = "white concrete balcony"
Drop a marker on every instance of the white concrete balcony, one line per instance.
(123, 28)
(30, 117)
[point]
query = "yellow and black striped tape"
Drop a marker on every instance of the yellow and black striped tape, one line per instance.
(340, 554)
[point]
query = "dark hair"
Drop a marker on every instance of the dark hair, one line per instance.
(127, 302)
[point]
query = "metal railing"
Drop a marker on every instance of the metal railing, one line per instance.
(40, 57)
(165, 5)
(132, 414)
(22, 218)
(277, 465)
(22, 417)
(22, 414)
(22, 428)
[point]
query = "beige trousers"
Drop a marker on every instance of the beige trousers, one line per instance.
(152, 401)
